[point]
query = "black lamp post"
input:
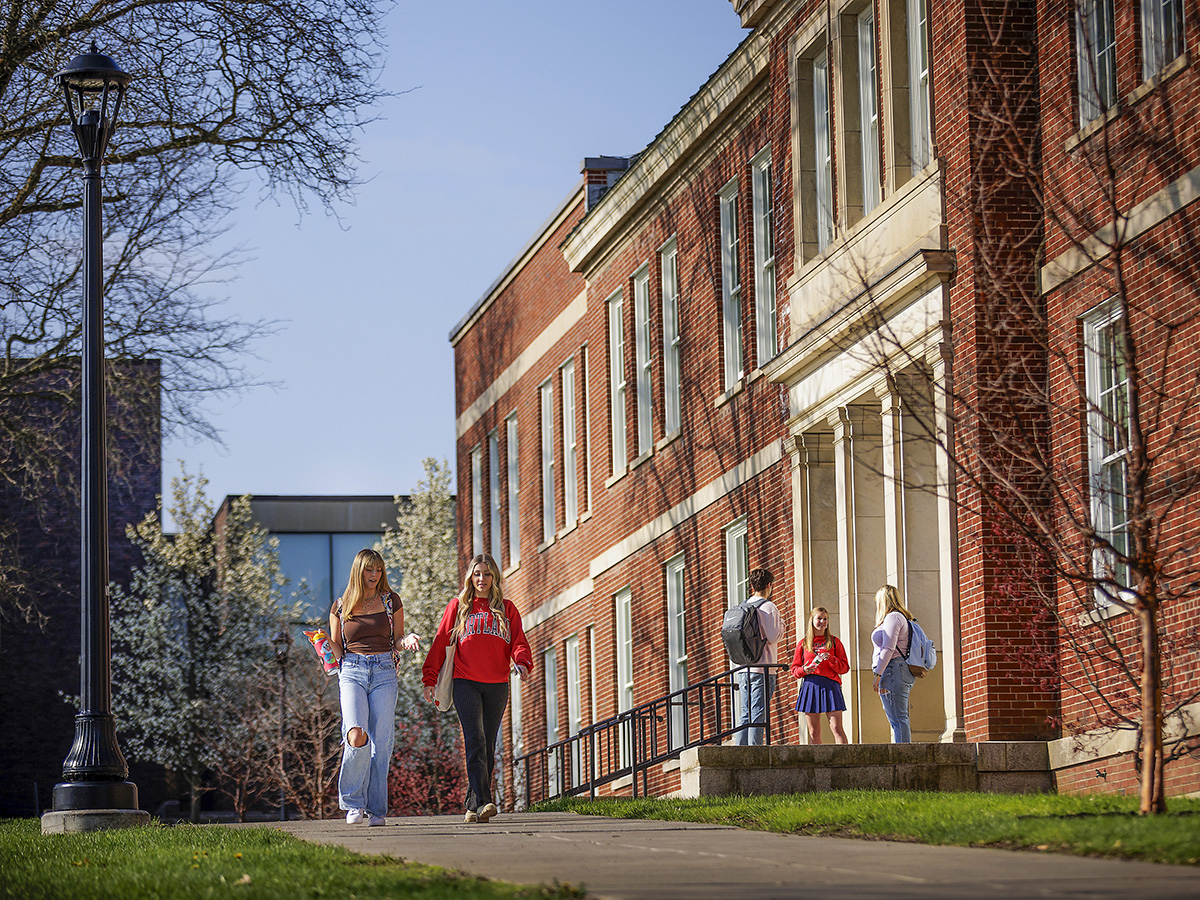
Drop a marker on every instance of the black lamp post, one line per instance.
(94, 793)
(282, 642)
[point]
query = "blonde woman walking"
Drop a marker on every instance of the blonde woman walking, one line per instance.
(489, 640)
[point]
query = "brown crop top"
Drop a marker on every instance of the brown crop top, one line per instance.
(367, 634)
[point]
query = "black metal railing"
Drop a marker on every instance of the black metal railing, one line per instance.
(629, 743)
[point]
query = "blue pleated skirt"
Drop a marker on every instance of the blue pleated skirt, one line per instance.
(819, 694)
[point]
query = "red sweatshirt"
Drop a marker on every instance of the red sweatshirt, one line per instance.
(834, 666)
(482, 654)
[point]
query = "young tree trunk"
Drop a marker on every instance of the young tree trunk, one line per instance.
(1153, 792)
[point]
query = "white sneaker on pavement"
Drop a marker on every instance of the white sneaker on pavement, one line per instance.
(354, 816)
(375, 821)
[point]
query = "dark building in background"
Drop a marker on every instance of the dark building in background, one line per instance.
(41, 660)
(318, 539)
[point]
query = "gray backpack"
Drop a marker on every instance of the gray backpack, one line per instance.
(742, 633)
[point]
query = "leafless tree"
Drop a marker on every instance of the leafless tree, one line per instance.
(225, 95)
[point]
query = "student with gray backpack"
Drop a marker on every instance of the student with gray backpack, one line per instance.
(754, 627)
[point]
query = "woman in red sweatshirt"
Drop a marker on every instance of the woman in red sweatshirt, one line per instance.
(490, 640)
(821, 662)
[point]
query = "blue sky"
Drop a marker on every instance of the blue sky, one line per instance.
(501, 103)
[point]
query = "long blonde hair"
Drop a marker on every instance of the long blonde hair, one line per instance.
(810, 635)
(466, 597)
(887, 599)
(356, 588)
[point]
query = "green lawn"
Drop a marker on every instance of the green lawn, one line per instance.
(188, 861)
(1087, 826)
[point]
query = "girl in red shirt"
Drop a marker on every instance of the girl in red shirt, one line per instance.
(820, 662)
(489, 642)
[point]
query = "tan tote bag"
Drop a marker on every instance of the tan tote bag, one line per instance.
(443, 688)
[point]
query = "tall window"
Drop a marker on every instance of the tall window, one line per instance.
(868, 106)
(616, 386)
(570, 446)
(737, 572)
(1108, 447)
(585, 431)
(676, 647)
(764, 256)
(823, 147)
(731, 285)
(622, 606)
(642, 337)
(1095, 36)
(574, 705)
(476, 501)
(669, 256)
(1162, 34)
(494, 494)
(547, 392)
(518, 737)
(514, 491)
(737, 579)
(918, 81)
(550, 667)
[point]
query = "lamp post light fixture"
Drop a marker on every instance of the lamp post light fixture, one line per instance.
(282, 642)
(94, 793)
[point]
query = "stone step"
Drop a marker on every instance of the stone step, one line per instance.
(1003, 767)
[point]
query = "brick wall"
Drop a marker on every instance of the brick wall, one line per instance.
(43, 663)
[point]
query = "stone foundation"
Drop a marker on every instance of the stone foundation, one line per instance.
(1002, 767)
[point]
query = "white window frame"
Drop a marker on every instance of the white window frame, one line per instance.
(515, 711)
(920, 119)
(762, 202)
(1108, 448)
(737, 567)
(642, 337)
(623, 652)
(476, 500)
(737, 580)
(677, 658)
(586, 433)
(731, 286)
(617, 384)
(1163, 35)
(512, 449)
(823, 148)
(570, 445)
(574, 706)
(868, 106)
(546, 393)
(550, 668)
(1096, 59)
(672, 374)
(494, 493)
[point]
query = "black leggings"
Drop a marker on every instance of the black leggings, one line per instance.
(480, 708)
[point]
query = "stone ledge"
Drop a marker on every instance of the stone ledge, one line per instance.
(997, 766)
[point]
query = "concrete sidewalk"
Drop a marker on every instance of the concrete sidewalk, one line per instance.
(620, 859)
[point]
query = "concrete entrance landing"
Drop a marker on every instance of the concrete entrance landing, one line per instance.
(1000, 767)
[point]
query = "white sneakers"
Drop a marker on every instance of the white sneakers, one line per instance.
(354, 816)
(487, 811)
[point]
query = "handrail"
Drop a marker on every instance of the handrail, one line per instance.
(629, 743)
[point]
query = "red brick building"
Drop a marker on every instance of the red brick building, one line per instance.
(820, 325)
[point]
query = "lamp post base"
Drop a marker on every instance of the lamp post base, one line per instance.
(81, 806)
(78, 821)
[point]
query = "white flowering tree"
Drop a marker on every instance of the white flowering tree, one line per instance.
(192, 654)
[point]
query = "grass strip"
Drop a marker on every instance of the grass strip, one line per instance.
(206, 861)
(1107, 826)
